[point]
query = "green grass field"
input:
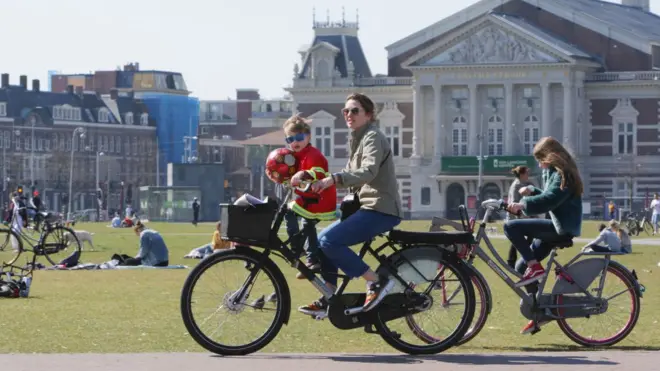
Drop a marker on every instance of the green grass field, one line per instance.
(138, 310)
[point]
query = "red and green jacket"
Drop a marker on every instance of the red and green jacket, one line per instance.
(310, 205)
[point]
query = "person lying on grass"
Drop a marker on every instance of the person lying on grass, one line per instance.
(153, 250)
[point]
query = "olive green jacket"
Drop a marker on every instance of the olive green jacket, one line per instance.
(371, 170)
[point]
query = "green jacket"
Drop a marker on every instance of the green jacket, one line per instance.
(370, 169)
(565, 207)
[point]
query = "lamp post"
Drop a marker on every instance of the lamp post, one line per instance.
(187, 148)
(33, 121)
(79, 131)
(98, 187)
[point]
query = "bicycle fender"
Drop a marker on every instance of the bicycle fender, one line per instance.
(583, 273)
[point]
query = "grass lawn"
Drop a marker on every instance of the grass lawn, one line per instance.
(138, 310)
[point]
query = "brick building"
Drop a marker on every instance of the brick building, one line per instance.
(40, 139)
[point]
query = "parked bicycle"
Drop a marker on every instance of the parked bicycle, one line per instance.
(413, 265)
(571, 299)
(635, 224)
(49, 243)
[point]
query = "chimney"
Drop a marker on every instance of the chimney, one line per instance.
(23, 81)
(35, 85)
(5, 80)
(79, 90)
(644, 5)
(114, 93)
(69, 89)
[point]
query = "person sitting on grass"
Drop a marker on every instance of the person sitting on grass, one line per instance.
(611, 239)
(153, 250)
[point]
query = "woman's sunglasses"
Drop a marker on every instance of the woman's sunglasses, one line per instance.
(295, 138)
(353, 110)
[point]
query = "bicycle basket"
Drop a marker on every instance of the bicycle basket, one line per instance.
(247, 224)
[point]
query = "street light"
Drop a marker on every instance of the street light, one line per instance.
(187, 148)
(98, 187)
(80, 131)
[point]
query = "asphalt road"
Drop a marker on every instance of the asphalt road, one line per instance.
(547, 361)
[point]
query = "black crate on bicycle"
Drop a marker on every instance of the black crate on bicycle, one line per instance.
(249, 224)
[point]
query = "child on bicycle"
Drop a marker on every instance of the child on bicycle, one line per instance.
(310, 206)
(561, 197)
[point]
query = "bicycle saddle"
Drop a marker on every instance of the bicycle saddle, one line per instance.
(561, 244)
(439, 238)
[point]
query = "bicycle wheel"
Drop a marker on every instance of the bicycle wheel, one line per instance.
(56, 246)
(11, 246)
(648, 228)
(482, 309)
(419, 267)
(629, 307)
(272, 300)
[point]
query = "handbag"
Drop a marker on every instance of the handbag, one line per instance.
(350, 204)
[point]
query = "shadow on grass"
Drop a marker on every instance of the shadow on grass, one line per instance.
(468, 359)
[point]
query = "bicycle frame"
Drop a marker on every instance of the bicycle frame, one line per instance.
(559, 269)
(282, 249)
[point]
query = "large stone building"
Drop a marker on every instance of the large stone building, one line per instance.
(490, 81)
(41, 132)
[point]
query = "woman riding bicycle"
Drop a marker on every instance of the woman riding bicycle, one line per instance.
(561, 196)
(371, 173)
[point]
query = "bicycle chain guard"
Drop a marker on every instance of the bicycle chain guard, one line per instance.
(392, 307)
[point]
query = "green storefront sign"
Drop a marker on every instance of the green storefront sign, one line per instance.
(491, 164)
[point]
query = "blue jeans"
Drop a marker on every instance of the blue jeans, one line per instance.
(541, 230)
(334, 242)
(309, 229)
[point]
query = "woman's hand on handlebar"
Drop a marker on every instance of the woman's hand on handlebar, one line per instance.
(515, 208)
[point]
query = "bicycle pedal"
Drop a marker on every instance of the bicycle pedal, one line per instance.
(369, 329)
(535, 330)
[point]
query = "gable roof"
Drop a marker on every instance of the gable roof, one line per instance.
(629, 25)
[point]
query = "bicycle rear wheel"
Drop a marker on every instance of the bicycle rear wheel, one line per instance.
(58, 243)
(268, 301)
(584, 330)
(11, 246)
(419, 267)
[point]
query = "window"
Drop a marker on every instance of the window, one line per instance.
(532, 132)
(17, 143)
(28, 143)
(118, 144)
(144, 119)
(204, 129)
(135, 145)
(3, 109)
(111, 145)
(495, 136)
(67, 113)
(104, 115)
(394, 138)
(625, 138)
(426, 196)
(459, 136)
(8, 139)
(323, 139)
(129, 118)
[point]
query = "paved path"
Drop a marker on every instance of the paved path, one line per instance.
(548, 361)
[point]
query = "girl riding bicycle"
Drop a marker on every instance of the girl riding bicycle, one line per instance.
(561, 197)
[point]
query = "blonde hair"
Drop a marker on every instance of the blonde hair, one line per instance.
(616, 227)
(297, 124)
(550, 151)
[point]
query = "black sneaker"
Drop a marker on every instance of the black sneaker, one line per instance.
(318, 309)
(377, 292)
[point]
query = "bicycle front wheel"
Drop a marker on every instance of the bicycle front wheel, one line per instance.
(234, 302)
(59, 243)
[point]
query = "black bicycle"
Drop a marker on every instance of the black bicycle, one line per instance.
(254, 228)
(53, 238)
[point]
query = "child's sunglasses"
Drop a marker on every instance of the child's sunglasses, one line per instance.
(353, 110)
(295, 138)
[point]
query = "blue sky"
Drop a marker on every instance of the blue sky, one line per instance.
(218, 45)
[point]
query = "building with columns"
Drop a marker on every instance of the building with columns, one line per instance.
(490, 81)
